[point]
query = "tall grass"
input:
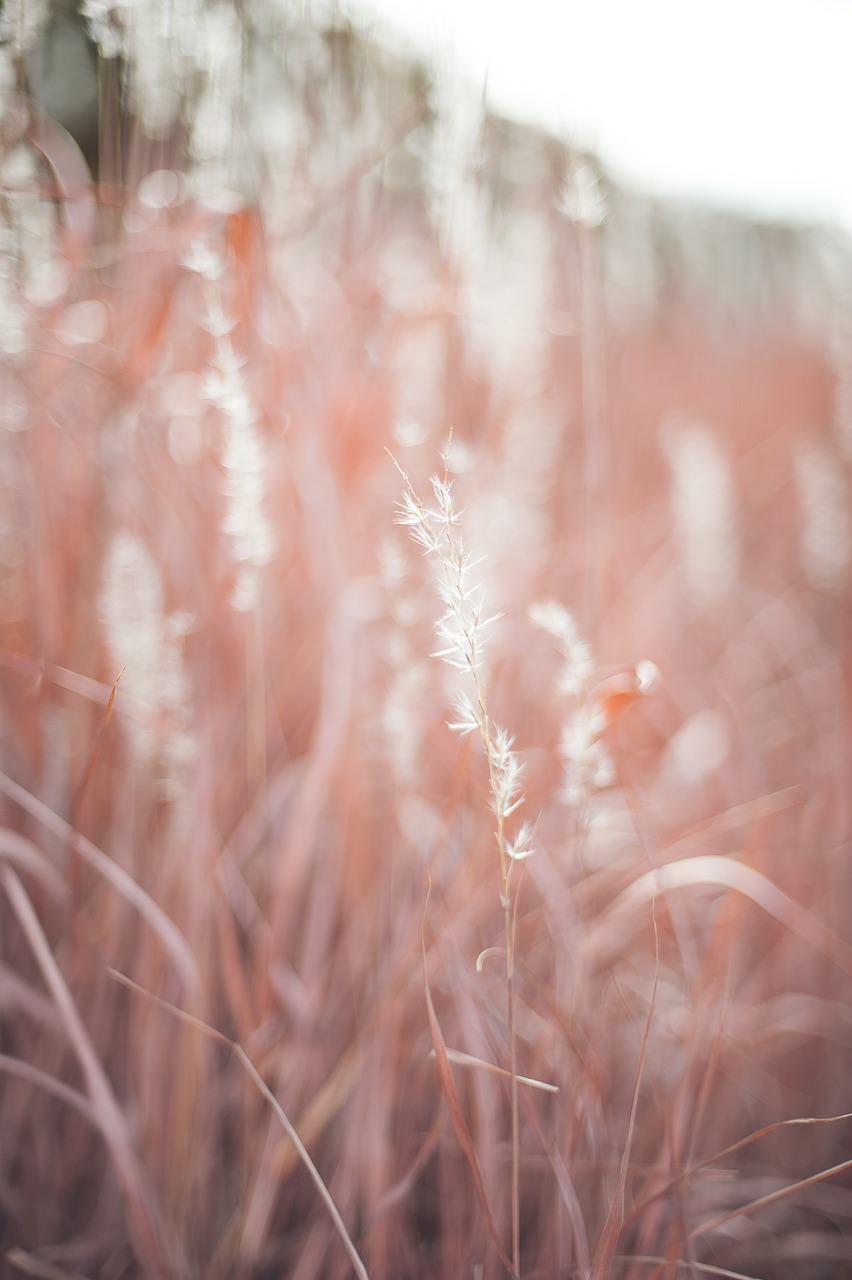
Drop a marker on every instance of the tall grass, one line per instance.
(256, 936)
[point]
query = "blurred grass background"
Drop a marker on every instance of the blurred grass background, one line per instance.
(279, 252)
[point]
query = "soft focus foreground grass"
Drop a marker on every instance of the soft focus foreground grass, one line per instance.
(249, 823)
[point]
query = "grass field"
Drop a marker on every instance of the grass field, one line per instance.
(281, 991)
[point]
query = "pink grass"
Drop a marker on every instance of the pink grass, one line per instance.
(249, 830)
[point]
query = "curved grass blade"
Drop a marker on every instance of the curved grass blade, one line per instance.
(263, 1088)
(144, 1222)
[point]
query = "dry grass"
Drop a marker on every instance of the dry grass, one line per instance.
(267, 824)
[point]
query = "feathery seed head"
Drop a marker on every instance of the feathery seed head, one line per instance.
(520, 847)
(588, 766)
(579, 667)
(244, 522)
(146, 642)
(704, 508)
(202, 260)
(461, 627)
(506, 772)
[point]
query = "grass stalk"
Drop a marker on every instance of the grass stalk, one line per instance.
(219, 1037)
(461, 628)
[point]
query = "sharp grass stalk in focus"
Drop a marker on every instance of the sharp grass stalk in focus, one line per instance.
(462, 628)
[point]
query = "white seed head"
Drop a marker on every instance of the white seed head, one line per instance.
(145, 643)
(578, 668)
(587, 763)
(461, 627)
(520, 847)
(704, 508)
(582, 199)
(249, 532)
(201, 259)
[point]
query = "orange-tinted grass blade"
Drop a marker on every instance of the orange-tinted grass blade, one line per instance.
(241, 230)
(257, 1079)
(144, 1223)
(243, 235)
(605, 1252)
(617, 694)
(448, 1088)
(146, 344)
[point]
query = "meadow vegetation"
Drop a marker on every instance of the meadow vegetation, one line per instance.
(320, 954)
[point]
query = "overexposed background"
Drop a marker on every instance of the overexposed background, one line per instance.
(742, 103)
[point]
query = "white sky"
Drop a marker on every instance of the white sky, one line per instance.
(747, 103)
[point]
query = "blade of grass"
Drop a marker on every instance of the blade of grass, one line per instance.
(326, 1103)
(18, 996)
(260, 1084)
(686, 1174)
(692, 1268)
(605, 1252)
(84, 686)
(565, 1185)
(716, 871)
(19, 849)
(30, 1266)
(448, 1088)
(468, 1060)
(42, 1080)
(75, 878)
(772, 1198)
(171, 937)
(145, 1226)
(91, 762)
